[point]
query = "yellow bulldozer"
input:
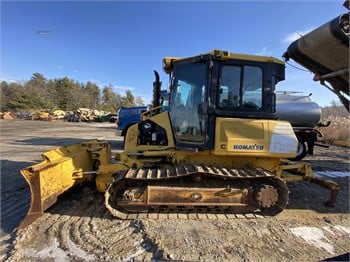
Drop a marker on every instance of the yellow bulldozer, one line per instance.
(219, 149)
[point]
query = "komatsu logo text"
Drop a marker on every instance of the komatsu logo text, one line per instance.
(248, 147)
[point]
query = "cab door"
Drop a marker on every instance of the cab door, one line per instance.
(188, 95)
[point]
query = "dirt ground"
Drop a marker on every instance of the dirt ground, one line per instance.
(79, 228)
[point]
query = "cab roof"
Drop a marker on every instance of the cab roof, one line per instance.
(220, 55)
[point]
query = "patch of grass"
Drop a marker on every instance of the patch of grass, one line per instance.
(338, 131)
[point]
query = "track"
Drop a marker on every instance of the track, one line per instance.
(195, 192)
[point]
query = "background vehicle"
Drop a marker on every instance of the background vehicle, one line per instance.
(218, 149)
(128, 116)
(304, 116)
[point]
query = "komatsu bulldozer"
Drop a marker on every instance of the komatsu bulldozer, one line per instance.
(219, 150)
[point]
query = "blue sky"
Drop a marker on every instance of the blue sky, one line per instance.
(121, 42)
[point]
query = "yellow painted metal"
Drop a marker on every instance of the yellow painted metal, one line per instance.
(294, 171)
(61, 169)
(184, 196)
(253, 137)
(168, 62)
(162, 120)
(106, 173)
(238, 142)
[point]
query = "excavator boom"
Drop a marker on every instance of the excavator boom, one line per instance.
(325, 52)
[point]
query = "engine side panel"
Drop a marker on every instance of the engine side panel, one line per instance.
(260, 138)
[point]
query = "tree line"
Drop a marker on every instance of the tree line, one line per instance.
(61, 93)
(335, 109)
(69, 95)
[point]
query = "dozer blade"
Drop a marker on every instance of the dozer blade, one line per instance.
(61, 169)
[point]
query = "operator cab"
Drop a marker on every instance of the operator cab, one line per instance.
(219, 84)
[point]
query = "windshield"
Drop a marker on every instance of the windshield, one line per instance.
(188, 92)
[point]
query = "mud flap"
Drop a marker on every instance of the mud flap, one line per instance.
(61, 169)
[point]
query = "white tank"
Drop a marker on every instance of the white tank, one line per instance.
(299, 110)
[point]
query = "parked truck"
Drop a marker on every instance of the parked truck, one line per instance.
(127, 116)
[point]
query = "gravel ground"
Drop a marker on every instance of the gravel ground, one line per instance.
(79, 228)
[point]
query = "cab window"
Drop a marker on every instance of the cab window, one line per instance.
(240, 88)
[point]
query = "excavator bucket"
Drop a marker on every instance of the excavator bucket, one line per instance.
(61, 169)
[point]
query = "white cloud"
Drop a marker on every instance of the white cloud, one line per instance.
(296, 35)
(264, 52)
(124, 88)
(8, 80)
(116, 88)
(12, 80)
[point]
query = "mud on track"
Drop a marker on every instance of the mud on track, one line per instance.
(79, 227)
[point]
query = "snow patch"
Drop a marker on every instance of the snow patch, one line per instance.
(332, 174)
(344, 229)
(313, 236)
(54, 251)
(78, 252)
(136, 254)
(328, 229)
(57, 253)
(140, 250)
